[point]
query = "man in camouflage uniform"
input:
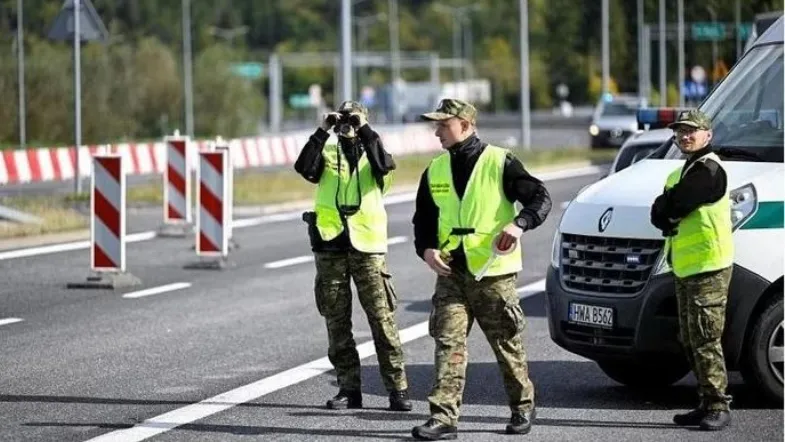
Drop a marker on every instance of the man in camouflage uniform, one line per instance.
(348, 232)
(694, 214)
(465, 209)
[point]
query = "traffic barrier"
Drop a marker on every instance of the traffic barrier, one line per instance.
(213, 218)
(177, 187)
(220, 143)
(107, 226)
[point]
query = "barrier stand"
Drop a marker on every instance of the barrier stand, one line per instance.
(220, 143)
(107, 226)
(177, 187)
(213, 214)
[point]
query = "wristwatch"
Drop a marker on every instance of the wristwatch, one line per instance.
(521, 222)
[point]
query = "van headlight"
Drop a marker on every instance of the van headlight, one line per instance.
(594, 130)
(743, 203)
(556, 249)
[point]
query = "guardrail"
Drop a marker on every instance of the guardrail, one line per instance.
(57, 163)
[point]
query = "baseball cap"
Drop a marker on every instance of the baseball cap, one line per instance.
(353, 107)
(451, 107)
(692, 118)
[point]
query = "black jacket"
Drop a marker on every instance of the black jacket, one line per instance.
(310, 165)
(704, 183)
(518, 185)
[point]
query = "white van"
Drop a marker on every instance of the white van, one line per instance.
(610, 293)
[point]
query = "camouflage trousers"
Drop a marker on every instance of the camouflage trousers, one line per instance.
(377, 298)
(494, 303)
(701, 302)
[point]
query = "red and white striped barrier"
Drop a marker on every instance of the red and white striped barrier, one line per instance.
(107, 225)
(177, 180)
(55, 164)
(177, 187)
(213, 217)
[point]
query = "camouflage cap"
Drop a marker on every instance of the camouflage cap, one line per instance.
(693, 118)
(451, 107)
(353, 107)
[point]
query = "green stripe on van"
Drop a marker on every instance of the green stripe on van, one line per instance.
(770, 215)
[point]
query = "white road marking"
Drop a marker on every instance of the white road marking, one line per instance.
(157, 290)
(246, 393)
(309, 258)
(288, 262)
(7, 321)
(266, 219)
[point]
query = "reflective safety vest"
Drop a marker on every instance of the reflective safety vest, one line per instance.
(704, 241)
(357, 192)
(477, 218)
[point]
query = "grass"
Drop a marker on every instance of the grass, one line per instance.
(56, 214)
(250, 188)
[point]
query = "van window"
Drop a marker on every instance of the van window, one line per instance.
(747, 108)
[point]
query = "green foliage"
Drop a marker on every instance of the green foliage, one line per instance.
(133, 87)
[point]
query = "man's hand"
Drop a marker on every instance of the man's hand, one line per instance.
(509, 236)
(436, 263)
(329, 120)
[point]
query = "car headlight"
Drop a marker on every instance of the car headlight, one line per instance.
(556, 249)
(743, 203)
(594, 130)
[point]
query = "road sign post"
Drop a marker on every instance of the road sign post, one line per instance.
(78, 21)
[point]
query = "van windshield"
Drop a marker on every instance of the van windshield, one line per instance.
(747, 109)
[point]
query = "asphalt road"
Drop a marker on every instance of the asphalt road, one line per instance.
(239, 354)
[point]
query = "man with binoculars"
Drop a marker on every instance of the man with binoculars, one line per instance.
(348, 233)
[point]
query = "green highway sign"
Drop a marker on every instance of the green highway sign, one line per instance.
(300, 100)
(713, 31)
(248, 70)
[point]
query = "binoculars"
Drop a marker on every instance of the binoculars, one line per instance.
(343, 119)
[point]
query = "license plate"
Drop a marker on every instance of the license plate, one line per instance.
(591, 315)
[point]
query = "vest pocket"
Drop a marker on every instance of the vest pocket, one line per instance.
(389, 288)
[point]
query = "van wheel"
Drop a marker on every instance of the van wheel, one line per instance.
(645, 375)
(763, 354)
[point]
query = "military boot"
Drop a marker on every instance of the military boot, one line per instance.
(346, 399)
(521, 422)
(435, 430)
(399, 401)
(690, 419)
(715, 420)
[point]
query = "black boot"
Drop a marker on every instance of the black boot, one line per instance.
(346, 399)
(690, 419)
(521, 422)
(399, 401)
(715, 420)
(435, 430)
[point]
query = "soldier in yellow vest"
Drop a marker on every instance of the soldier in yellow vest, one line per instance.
(348, 232)
(694, 215)
(465, 210)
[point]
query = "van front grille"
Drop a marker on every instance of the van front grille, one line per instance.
(607, 265)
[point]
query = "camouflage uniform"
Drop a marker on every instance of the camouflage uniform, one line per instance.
(701, 301)
(377, 298)
(494, 303)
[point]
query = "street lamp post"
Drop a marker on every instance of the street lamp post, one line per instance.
(20, 53)
(363, 23)
(459, 15)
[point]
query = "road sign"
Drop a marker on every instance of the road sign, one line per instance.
(91, 27)
(708, 31)
(248, 70)
(300, 101)
(698, 74)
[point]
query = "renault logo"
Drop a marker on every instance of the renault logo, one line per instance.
(605, 219)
